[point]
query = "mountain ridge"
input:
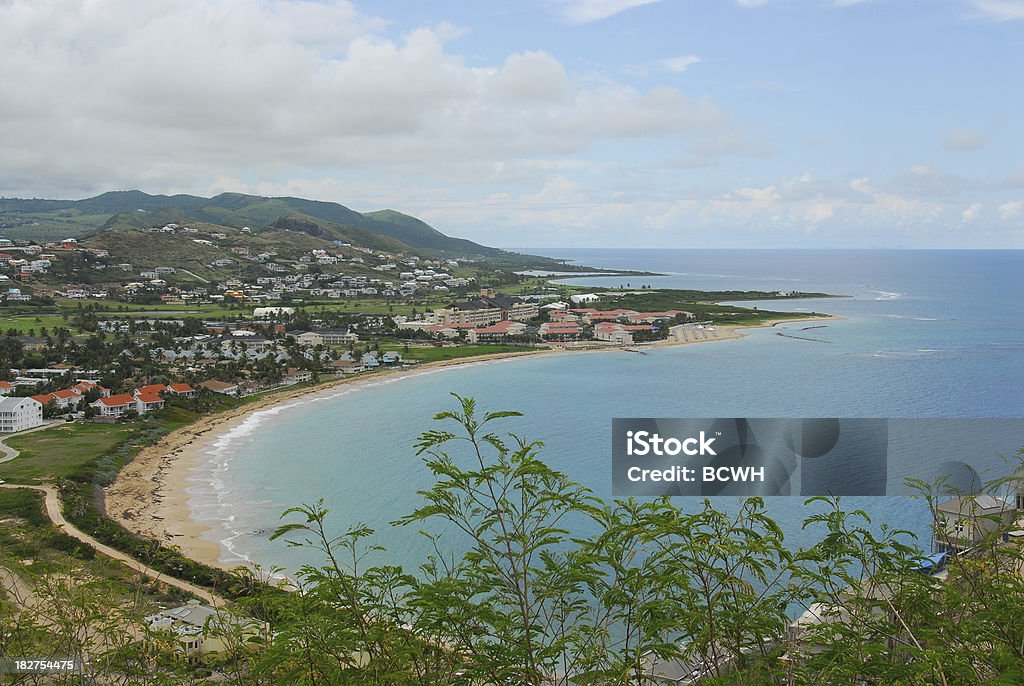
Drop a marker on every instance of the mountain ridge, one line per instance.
(81, 218)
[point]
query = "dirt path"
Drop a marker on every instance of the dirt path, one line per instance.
(53, 511)
(17, 590)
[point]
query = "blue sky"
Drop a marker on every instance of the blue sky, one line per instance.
(541, 123)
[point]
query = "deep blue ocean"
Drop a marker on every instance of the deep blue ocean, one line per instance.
(931, 334)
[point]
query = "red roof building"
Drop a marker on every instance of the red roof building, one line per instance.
(182, 389)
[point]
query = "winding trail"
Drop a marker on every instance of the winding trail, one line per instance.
(53, 511)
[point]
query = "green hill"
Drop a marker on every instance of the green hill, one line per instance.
(52, 219)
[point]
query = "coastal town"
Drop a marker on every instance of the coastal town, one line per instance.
(115, 374)
(88, 337)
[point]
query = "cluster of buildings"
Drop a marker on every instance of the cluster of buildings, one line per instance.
(490, 318)
(141, 400)
(293, 275)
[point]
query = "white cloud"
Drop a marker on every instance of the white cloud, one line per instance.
(964, 139)
(584, 11)
(1011, 210)
(751, 3)
(762, 196)
(862, 185)
(163, 95)
(971, 212)
(1000, 10)
(680, 64)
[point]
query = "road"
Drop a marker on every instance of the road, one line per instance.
(53, 511)
(195, 275)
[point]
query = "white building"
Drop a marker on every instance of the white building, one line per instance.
(18, 414)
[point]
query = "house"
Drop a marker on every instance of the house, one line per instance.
(201, 629)
(148, 402)
(345, 366)
(181, 389)
(220, 387)
(86, 386)
(18, 414)
(327, 337)
(67, 398)
(115, 405)
(963, 522)
(293, 376)
(6, 388)
(246, 340)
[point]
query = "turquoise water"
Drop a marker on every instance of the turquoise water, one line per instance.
(926, 334)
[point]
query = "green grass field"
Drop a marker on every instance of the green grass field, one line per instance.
(432, 354)
(59, 451)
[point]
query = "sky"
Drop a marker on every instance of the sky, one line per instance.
(540, 123)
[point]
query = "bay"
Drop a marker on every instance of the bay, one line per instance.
(935, 334)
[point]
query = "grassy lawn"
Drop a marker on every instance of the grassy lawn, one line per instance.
(59, 451)
(432, 354)
(25, 322)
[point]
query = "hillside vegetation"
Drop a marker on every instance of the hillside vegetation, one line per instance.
(51, 219)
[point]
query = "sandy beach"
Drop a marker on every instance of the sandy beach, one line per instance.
(150, 494)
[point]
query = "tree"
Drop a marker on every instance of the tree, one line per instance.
(511, 603)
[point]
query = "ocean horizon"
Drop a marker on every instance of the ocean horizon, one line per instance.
(925, 333)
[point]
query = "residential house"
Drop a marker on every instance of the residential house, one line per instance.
(963, 522)
(345, 366)
(181, 389)
(6, 388)
(86, 386)
(202, 629)
(18, 414)
(147, 402)
(327, 337)
(293, 375)
(220, 387)
(115, 406)
(68, 398)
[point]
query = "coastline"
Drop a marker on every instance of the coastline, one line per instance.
(150, 494)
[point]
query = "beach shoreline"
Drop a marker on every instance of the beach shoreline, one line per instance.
(150, 494)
